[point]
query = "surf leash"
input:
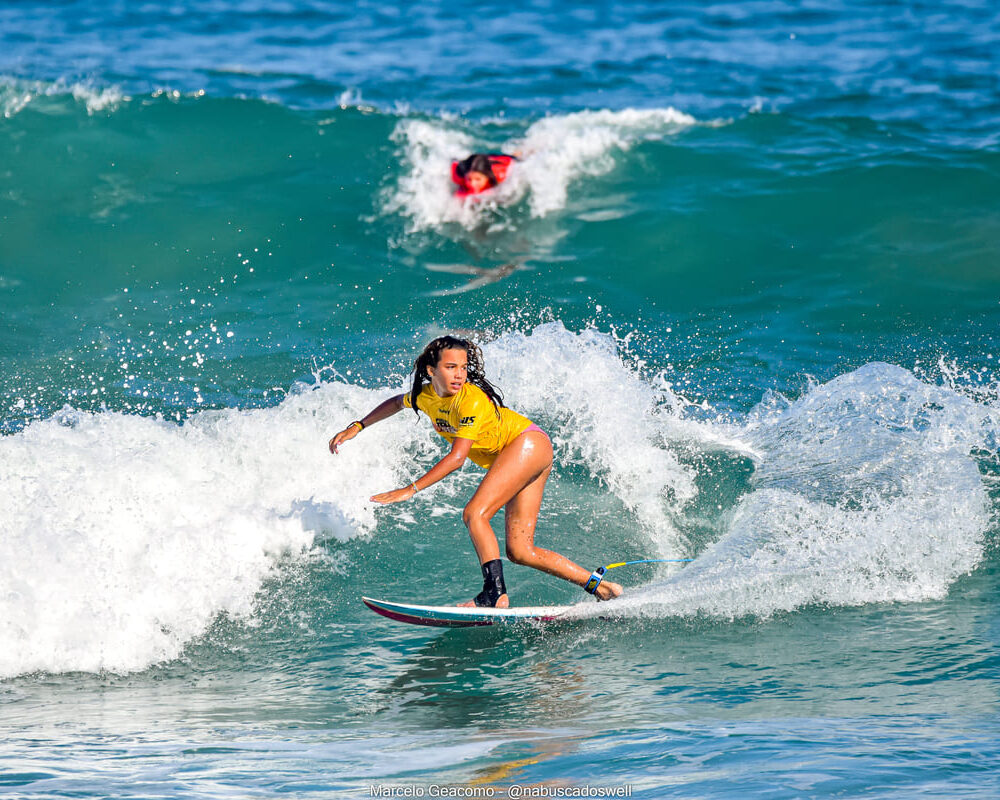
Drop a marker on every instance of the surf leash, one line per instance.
(598, 574)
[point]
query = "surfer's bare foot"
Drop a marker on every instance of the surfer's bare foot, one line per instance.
(502, 601)
(608, 590)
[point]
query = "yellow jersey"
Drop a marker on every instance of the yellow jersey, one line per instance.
(469, 414)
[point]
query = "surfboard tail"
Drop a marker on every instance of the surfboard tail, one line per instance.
(396, 612)
(461, 616)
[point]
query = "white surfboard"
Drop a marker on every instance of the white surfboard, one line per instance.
(458, 617)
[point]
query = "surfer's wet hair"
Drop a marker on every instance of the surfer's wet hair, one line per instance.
(477, 162)
(475, 374)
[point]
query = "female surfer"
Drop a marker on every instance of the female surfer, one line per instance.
(450, 387)
(479, 172)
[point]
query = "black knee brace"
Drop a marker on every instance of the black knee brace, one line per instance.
(493, 585)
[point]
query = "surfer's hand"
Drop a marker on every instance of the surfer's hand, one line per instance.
(348, 433)
(395, 496)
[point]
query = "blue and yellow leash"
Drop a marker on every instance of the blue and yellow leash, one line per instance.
(598, 574)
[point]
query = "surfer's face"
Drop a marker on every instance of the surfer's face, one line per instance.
(448, 377)
(476, 181)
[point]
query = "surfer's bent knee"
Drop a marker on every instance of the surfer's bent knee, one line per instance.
(471, 512)
(520, 554)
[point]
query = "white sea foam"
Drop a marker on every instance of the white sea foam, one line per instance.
(866, 491)
(122, 537)
(556, 152)
(14, 98)
(95, 99)
(16, 95)
(561, 149)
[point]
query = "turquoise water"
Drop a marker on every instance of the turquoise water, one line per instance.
(745, 276)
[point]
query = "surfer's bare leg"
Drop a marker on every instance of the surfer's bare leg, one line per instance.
(518, 464)
(521, 518)
(521, 468)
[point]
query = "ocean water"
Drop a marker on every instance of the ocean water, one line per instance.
(745, 275)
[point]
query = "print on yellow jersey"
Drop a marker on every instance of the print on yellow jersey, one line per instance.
(469, 414)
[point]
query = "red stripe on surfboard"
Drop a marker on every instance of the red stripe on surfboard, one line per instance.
(416, 620)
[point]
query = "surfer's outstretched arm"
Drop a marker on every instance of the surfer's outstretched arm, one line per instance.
(382, 411)
(456, 457)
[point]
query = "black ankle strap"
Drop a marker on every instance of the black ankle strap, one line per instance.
(493, 585)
